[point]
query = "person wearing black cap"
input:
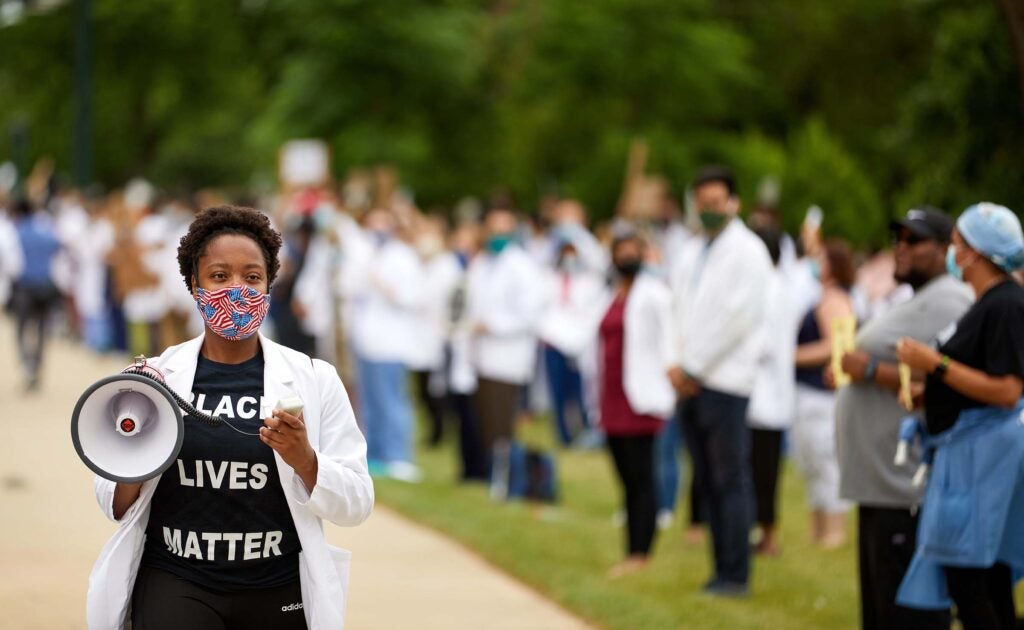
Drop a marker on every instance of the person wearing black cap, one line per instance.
(868, 418)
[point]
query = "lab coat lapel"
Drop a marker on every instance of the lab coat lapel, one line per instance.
(278, 383)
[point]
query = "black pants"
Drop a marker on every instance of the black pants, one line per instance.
(32, 308)
(434, 405)
(984, 597)
(886, 539)
(765, 451)
(471, 449)
(163, 601)
(634, 461)
(715, 426)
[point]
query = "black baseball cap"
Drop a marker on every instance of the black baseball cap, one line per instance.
(925, 222)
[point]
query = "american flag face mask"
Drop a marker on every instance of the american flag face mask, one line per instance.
(234, 312)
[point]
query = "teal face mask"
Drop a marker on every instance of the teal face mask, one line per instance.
(498, 242)
(815, 269)
(712, 221)
(952, 268)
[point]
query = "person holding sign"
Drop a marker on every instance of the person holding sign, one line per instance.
(970, 535)
(231, 536)
(814, 425)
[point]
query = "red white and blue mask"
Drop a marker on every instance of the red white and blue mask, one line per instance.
(234, 312)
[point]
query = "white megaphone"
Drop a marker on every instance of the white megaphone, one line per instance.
(128, 427)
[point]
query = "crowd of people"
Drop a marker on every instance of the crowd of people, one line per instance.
(655, 330)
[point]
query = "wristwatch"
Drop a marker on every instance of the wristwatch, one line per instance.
(940, 370)
(870, 370)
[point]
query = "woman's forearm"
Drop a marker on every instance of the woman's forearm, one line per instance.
(125, 495)
(815, 354)
(1001, 391)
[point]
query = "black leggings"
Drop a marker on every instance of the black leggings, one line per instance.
(984, 597)
(634, 461)
(765, 449)
(163, 601)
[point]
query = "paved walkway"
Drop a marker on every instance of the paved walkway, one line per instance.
(403, 575)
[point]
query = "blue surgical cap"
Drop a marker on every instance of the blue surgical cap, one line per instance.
(994, 232)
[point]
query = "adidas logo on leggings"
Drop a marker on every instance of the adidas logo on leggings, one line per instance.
(291, 607)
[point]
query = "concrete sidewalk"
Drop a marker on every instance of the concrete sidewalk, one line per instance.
(403, 575)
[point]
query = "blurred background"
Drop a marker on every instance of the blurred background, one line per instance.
(120, 120)
(861, 106)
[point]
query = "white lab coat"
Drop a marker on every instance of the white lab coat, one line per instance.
(89, 250)
(719, 292)
(647, 345)
(560, 322)
(384, 313)
(505, 295)
(773, 400)
(11, 259)
(343, 493)
(433, 318)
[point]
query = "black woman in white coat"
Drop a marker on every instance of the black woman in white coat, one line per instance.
(308, 467)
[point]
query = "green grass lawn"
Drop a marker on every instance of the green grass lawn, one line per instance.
(565, 551)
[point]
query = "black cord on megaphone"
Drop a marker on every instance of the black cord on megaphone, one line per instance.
(141, 369)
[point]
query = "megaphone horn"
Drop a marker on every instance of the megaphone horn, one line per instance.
(128, 427)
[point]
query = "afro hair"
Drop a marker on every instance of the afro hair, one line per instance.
(220, 220)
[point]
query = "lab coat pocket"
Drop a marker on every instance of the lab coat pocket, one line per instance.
(342, 560)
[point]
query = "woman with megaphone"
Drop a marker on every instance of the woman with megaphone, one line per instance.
(230, 535)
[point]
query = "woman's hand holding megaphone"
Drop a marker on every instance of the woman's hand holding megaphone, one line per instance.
(286, 434)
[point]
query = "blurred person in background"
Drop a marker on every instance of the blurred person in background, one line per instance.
(505, 298)
(636, 396)
(138, 263)
(813, 431)
(441, 273)
(868, 419)
(772, 400)
(719, 290)
(573, 288)
(11, 261)
(461, 377)
(383, 334)
(285, 310)
(90, 250)
(34, 294)
(970, 542)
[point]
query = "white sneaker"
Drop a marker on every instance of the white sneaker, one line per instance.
(405, 471)
(666, 518)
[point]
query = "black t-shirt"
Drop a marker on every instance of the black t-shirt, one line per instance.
(990, 338)
(219, 517)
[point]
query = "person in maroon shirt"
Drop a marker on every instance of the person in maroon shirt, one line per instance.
(630, 434)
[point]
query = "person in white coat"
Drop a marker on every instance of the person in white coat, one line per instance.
(442, 273)
(719, 287)
(383, 335)
(636, 396)
(231, 534)
(572, 288)
(773, 399)
(504, 302)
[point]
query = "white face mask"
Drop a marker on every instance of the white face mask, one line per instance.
(428, 246)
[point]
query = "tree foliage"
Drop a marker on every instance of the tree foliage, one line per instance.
(861, 106)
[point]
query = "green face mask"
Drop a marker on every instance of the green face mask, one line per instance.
(498, 242)
(712, 221)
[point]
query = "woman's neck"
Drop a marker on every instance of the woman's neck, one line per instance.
(221, 350)
(983, 281)
(625, 285)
